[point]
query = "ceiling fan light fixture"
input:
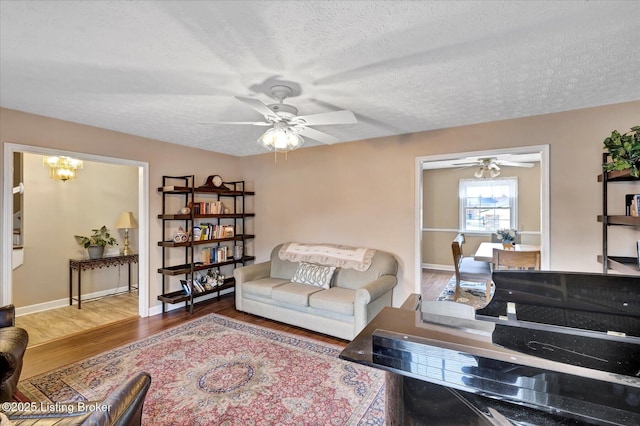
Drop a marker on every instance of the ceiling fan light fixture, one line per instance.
(281, 138)
(487, 169)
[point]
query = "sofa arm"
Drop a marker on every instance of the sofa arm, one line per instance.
(375, 289)
(13, 343)
(249, 273)
(121, 407)
(370, 299)
(7, 316)
(252, 272)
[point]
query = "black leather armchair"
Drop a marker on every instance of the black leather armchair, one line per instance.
(13, 344)
(124, 408)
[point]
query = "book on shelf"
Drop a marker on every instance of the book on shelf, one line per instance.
(205, 256)
(203, 207)
(186, 287)
(210, 231)
(197, 287)
(205, 231)
(221, 254)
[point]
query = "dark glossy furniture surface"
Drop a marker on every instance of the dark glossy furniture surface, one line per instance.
(501, 369)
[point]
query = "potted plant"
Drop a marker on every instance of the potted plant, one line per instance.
(624, 150)
(508, 237)
(96, 243)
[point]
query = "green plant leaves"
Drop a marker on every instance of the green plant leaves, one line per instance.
(624, 150)
(100, 237)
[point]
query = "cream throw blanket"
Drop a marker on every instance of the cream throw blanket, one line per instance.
(328, 254)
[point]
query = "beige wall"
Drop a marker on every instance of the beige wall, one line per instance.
(362, 193)
(163, 158)
(441, 211)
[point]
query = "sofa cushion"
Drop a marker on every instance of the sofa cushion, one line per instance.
(335, 299)
(263, 286)
(312, 274)
(294, 293)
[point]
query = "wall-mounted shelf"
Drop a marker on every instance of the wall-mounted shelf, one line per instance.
(620, 264)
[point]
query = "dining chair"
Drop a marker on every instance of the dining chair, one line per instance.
(469, 269)
(513, 259)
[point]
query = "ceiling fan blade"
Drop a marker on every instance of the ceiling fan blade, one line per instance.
(258, 105)
(466, 164)
(514, 164)
(335, 117)
(251, 123)
(317, 135)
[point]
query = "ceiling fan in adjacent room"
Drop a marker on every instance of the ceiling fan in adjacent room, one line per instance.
(287, 128)
(490, 167)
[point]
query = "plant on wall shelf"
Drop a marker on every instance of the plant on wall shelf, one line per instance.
(624, 150)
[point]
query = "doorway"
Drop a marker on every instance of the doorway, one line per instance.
(141, 174)
(453, 160)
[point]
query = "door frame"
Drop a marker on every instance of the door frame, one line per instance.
(543, 150)
(7, 215)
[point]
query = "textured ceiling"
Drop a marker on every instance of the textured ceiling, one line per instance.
(158, 68)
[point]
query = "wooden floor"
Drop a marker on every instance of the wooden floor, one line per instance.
(58, 353)
(55, 323)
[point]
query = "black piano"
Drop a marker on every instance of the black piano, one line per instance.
(551, 348)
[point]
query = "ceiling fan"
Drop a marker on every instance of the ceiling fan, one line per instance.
(491, 166)
(286, 126)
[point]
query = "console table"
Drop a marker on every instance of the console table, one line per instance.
(83, 264)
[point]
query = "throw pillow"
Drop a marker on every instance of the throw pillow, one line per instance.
(311, 274)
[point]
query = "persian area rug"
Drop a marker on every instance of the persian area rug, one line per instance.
(219, 371)
(471, 293)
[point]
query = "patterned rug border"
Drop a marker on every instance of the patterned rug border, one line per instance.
(370, 410)
(304, 342)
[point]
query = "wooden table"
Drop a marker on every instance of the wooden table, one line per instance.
(485, 251)
(82, 264)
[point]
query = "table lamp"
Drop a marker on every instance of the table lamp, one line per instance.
(126, 222)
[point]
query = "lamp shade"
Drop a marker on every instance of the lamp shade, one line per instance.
(126, 221)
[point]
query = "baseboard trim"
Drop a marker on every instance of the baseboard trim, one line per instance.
(437, 267)
(53, 304)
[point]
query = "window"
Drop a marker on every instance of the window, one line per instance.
(488, 204)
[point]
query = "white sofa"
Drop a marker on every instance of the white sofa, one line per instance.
(353, 297)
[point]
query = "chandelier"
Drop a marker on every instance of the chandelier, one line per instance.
(62, 168)
(281, 137)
